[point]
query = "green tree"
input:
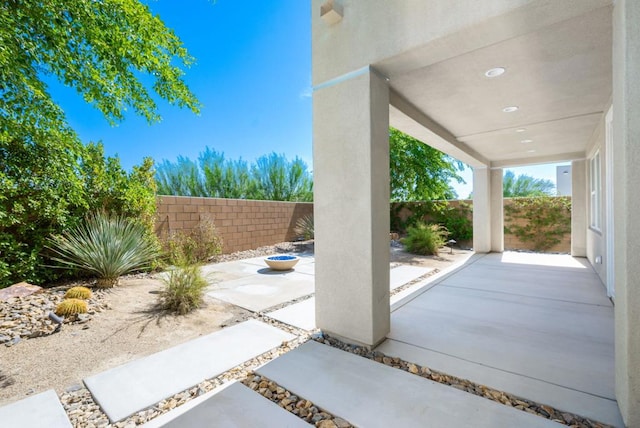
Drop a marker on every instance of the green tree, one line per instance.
(116, 54)
(525, 185)
(278, 179)
(271, 177)
(103, 49)
(420, 172)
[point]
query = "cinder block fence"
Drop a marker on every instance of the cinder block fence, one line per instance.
(242, 224)
(246, 224)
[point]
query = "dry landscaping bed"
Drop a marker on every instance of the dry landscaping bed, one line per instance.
(123, 324)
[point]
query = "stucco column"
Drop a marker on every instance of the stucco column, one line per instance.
(351, 207)
(481, 210)
(626, 204)
(497, 211)
(579, 197)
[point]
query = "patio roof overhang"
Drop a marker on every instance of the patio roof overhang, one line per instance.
(557, 64)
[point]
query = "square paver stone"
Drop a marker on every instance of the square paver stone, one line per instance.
(259, 292)
(370, 394)
(37, 411)
(301, 315)
(129, 388)
(232, 406)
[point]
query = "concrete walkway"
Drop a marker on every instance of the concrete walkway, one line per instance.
(127, 389)
(37, 411)
(370, 394)
(230, 406)
(537, 326)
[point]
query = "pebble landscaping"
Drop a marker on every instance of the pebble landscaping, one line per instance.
(27, 317)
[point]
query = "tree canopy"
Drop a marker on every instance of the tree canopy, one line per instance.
(270, 177)
(118, 57)
(420, 172)
(524, 185)
(104, 49)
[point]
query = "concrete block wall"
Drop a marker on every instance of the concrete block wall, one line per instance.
(511, 242)
(242, 224)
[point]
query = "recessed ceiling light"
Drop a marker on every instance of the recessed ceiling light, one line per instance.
(510, 109)
(526, 141)
(521, 129)
(495, 72)
(531, 151)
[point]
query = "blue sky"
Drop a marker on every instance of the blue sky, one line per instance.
(252, 75)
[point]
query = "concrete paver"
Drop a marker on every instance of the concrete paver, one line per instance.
(584, 404)
(301, 315)
(370, 394)
(402, 275)
(129, 388)
(37, 411)
(259, 292)
(232, 406)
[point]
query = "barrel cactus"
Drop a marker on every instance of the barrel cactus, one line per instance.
(70, 307)
(78, 293)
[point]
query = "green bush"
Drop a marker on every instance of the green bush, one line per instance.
(47, 189)
(183, 290)
(304, 227)
(425, 239)
(104, 245)
(199, 245)
(455, 218)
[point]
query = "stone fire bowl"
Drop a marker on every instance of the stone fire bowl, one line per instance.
(281, 262)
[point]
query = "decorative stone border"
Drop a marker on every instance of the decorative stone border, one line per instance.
(302, 408)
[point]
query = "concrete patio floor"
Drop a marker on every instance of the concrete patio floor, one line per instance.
(537, 326)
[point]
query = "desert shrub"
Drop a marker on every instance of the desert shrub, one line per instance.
(46, 189)
(105, 245)
(304, 227)
(71, 307)
(198, 245)
(455, 218)
(183, 290)
(425, 239)
(78, 293)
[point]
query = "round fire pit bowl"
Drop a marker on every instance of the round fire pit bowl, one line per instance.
(281, 262)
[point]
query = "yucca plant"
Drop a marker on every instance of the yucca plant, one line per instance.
(425, 239)
(183, 289)
(105, 245)
(304, 227)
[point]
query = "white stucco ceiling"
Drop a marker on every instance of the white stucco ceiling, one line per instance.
(559, 76)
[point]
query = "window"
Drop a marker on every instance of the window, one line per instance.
(594, 184)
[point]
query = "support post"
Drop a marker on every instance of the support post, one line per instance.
(626, 203)
(351, 207)
(579, 221)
